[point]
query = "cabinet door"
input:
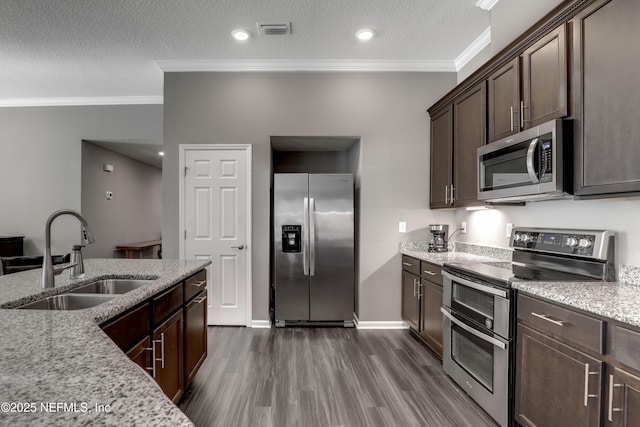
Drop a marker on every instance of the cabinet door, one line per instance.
(556, 385)
(504, 101)
(410, 302)
(195, 331)
(441, 158)
(544, 79)
(623, 397)
(169, 347)
(140, 354)
(606, 52)
(469, 118)
(431, 325)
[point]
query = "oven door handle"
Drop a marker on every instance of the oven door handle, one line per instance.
(476, 286)
(483, 337)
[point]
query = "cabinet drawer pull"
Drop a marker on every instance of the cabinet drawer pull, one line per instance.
(152, 349)
(201, 299)
(522, 120)
(199, 284)
(430, 273)
(544, 317)
(414, 288)
(612, 384)
(446, 194)
(452, 188)
(161, 341)
(420, 290)
(408, 264)
(586, 384)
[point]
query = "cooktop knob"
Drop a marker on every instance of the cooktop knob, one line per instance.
(526, 238)
(517, 237)
(572, 242)
(585, 243)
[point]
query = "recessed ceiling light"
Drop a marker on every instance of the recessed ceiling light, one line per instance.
(160, 153)
(240, 35)
(364, 34)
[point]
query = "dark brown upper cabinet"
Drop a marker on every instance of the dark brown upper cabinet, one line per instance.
(607, 120)
(469, 133)
(441, 153)
(544, 79)
(504, 101)
(456, 132)
(531, 89)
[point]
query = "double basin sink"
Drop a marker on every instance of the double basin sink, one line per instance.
(88, 295)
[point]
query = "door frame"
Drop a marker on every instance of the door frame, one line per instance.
(182, 155)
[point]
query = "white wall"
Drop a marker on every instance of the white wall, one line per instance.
(135, 212)
(621, 216)
(388, 112)
(40, 156)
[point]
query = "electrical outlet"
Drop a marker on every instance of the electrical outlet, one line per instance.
(109, 195)
(509, 228)
(463, 226)
(402, 227)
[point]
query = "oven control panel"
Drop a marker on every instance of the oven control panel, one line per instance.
(570, 243)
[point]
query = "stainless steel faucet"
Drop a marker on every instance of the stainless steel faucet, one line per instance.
(48, 270)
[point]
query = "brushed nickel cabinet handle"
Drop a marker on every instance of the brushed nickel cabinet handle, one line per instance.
(414, 288)
(446, 194)
(430, 273)
(199, 284)
(201, 299)
(161, 342)
(611, 410)
(586, 384)
(452, 199)
(420, 285)
(408, 264)
(544, 317)
(511, 116)
(152, 349)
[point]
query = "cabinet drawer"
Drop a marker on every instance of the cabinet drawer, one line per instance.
(127, 330)
(431, 272)
(627, 347)
(411, 265)
(165, 304)
(562, 322)
(194, 285)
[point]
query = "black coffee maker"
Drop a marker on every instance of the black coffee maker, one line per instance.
(439, 238)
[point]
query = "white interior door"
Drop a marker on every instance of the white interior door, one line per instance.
(216, 188)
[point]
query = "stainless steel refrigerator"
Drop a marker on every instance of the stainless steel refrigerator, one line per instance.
(313, 248)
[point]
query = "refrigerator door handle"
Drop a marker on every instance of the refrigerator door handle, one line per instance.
(305, 238)
(312, 237)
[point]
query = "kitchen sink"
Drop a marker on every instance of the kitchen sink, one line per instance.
(68, 302)
(111, 286)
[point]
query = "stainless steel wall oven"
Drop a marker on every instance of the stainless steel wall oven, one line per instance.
(479, 306)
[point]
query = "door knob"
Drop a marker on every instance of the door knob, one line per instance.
(241, 247)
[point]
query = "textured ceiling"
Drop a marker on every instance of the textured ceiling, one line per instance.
(111, 48)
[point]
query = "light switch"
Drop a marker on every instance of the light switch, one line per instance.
(402, 227)
(509, 228)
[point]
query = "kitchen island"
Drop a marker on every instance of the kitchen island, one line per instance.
(60, 368)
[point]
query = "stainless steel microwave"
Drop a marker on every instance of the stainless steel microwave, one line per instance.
(535, 164)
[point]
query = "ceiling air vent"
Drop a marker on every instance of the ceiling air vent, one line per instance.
(274, 28)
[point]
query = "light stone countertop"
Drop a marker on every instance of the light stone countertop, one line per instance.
(615, 300)
(63, 357)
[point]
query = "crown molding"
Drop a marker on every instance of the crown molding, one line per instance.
(338, 65)
(473, 49)
(70, 101)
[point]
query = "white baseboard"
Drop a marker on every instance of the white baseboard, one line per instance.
(379, 324)
(261, 324)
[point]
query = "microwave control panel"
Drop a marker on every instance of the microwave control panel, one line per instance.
(561, 243)
(546, 159)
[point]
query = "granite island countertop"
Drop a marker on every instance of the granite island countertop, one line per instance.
(59, 368)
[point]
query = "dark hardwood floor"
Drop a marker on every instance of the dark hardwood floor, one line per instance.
(324, 377)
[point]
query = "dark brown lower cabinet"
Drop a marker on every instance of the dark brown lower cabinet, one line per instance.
(140, 354)
(169, 350)
(410, 300)
(195, 339)
(556, 385)
(623, 399)
(431, 328)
